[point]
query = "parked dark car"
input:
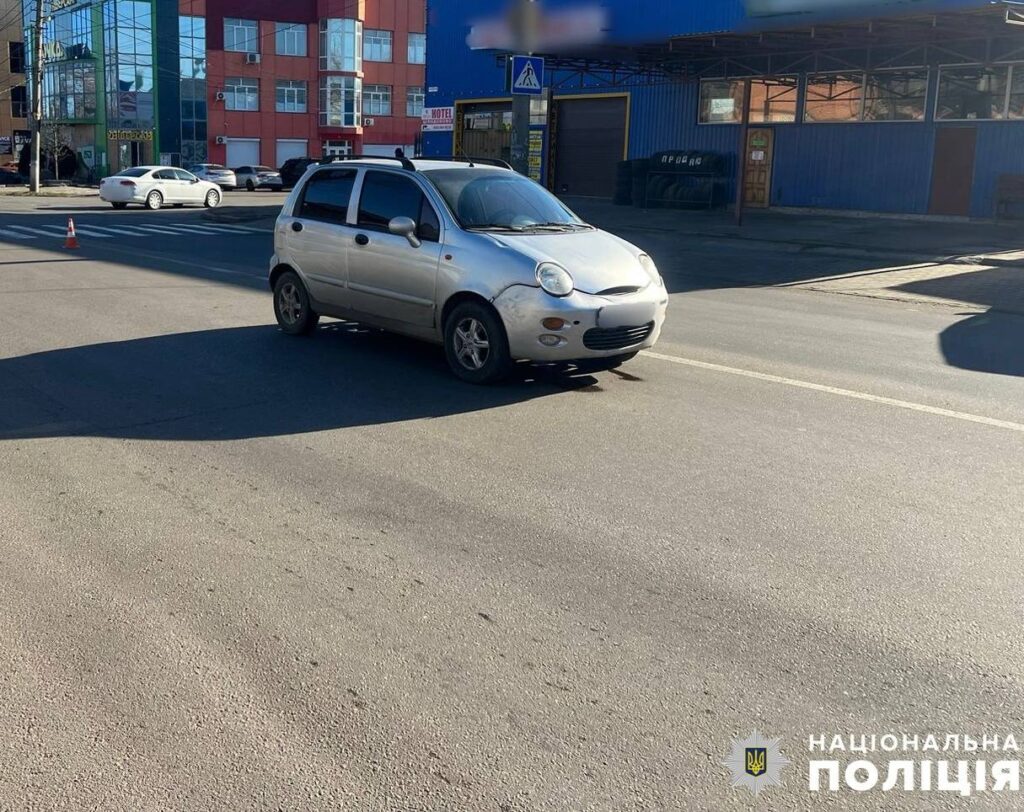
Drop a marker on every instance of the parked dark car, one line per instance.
(11, 178)
(294, 169)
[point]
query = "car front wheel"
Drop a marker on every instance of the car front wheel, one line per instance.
(475, 344)
(154, 201)
(250, 186)
(294, 313)
(212, 199)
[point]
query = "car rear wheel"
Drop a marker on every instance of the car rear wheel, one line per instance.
(212, 199)
(154, 200)
(250, 186)
(475, 344)
(294, 313)
(119, 205)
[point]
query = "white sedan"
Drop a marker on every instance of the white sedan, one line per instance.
(156, 186)
(215, 173)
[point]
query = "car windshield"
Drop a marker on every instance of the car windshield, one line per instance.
(495, 199)
(263, 169)
(134, 172)
(214, 166)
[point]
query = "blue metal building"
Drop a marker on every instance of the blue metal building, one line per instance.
(912, 106)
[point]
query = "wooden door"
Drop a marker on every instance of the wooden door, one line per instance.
(757, 185)
(953, 170)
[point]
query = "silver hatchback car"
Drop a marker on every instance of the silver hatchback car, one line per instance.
(467, 254)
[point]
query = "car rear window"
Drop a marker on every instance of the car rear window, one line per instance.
(134, 172)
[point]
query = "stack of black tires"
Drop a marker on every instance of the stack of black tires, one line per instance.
(684, 179)
(630, 182)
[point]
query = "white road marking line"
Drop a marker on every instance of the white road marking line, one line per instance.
(219, 229)
(833, 390)
(148, 231)
(120, 231)
(14, 235)
(37, 231)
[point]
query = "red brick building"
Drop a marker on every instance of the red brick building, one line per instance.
(277, 80)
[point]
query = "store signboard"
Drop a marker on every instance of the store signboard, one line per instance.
(6, 145)
(438, 119)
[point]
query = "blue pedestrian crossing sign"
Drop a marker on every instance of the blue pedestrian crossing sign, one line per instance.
(528, 75)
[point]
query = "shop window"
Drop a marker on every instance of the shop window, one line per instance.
(242, 93)
(290, 96)
(241, 35)
(834, 97)
(414, 99)
(721, 102)
(377, 45)
(340, 101)
(290, 39)
(1016, 109)
(341, 45)
(973, 92)
(417, 49)
(896, 95)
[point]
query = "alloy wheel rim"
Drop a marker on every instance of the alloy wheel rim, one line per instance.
(472, 346)
(290, 304)
(154, 200)
(212, 199)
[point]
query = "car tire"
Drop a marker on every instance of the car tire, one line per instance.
(250, 186)
(295, 314)
(154, 200)
(212, 199)
(119, 206)
(476, 345)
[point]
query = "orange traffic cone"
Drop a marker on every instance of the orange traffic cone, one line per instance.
(72, 240)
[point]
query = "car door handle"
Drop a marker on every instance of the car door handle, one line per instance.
(296, 226)
(362, 239)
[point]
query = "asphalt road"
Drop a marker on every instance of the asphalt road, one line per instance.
(242, 570)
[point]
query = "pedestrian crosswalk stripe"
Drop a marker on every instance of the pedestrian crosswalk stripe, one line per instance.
(106, 232)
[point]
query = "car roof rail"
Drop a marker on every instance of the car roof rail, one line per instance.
(405, 162)
(498, 162)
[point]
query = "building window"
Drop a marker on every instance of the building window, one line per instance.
(241, 93)
(129, 64)
(721, 102)
(896, 95)
(834, 97)
(377, 45)
(241, 35)
(772, 101)
(977, 92)
(16, 56)
(290, 39)
(19, 102)
(341, 45)
(193, 87)
(414, 102)
(340, 101)
(376, 100)
(69, 91)
(291, 96)
(417, 49)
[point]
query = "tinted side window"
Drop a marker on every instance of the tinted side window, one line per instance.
(386, 196)
(165, 174)
(181, 174)
(429, 227)
(327, 195)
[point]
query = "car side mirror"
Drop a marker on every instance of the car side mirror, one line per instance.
(194, 180)
(405, 227)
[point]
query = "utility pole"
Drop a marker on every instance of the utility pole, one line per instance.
(742, 154)
(525, 22)
(37, 98)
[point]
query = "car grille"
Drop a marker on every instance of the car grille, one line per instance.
(616, 338)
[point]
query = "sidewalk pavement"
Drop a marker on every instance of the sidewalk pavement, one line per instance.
(974, 265)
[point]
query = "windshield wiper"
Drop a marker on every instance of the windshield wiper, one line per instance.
(493, 227)
(561, 226)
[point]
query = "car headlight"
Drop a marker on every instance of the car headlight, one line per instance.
(652, 270)
(554, 279)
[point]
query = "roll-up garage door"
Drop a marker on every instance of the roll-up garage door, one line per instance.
(590, 142)
(243, 152)
(288, 148)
